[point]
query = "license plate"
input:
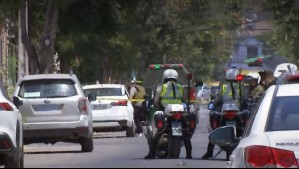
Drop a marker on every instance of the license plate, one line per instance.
(100, 107)
(177, 129)
(230, 123)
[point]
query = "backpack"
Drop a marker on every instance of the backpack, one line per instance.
(140, 92)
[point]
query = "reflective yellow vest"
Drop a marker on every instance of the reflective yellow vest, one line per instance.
(172, 93)
(227, 93)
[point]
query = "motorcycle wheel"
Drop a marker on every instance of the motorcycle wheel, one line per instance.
(161, 155)
(174, 147)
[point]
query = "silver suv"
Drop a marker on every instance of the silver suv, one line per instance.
(54, 109)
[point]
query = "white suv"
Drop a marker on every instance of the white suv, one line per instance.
(54, 109)
(11, 133)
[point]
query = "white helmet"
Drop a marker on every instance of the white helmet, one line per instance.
(254, 76)
(170, 74)
(231, 74)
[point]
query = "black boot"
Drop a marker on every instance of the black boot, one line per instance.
(152, 150)
(188, 147)
(209, 153)
(150, 156)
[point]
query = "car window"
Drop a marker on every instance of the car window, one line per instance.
(284, 114)
(47, 88)
(103, 92)
(252, 117)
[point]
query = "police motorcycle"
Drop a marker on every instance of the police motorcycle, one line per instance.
(232, 113)
(169, 127)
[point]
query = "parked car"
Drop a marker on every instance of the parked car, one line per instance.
(110, 107)
(11, 133)
(271, 138)
(54, 109)
(203, 93)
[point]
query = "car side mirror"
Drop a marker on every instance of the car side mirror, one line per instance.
(17, 101)
(224, 136)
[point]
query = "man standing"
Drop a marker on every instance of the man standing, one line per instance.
(136, 105)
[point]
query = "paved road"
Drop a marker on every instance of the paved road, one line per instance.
(113, 149)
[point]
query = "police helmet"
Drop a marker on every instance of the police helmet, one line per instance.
(170, 74)
(231, 74)
(254, 76)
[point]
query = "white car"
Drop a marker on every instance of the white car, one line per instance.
(271, 138)
(11, 133)
(203, 93)
(54, 109)
(111, 107)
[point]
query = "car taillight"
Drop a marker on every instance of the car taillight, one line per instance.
(262, 156)
(5, 144)
(177, 115)
(230, 114)
(192, 93)
(120, 103)
(5, 107)
(82, 105)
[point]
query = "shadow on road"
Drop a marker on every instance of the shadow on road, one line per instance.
(53, 152)
(181, 158)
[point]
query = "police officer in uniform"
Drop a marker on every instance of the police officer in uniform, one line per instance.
(169, 93)
(225, 95)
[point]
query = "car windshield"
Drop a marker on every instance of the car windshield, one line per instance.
(214, 88)
(47, 88)
(103, 92)
(284, 114)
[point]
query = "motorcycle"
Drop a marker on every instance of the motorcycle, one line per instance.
(169, 127)
(231, 113)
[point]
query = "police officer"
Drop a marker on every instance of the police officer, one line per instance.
(256, 90)
(169, 93)
(228, 93)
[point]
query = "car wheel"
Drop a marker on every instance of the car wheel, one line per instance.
(87, 144)
(130, 130)
(11, 162)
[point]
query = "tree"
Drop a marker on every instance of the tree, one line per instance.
(285, 36)
(104, 40)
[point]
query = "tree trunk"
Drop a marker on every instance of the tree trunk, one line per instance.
(48, 37)
(27, 42)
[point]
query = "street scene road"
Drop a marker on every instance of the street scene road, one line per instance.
(113, 149)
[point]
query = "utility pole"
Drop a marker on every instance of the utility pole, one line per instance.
(23, 66)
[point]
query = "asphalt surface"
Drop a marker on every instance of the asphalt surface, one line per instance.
(114, 150)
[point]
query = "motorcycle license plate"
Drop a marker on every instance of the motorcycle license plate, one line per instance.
(177, 129)
(230, 123)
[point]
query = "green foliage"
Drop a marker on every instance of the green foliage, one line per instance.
(285, 37)
(108, 38)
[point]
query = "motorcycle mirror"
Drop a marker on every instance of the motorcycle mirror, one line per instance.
(223, 136)
(211, 106)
